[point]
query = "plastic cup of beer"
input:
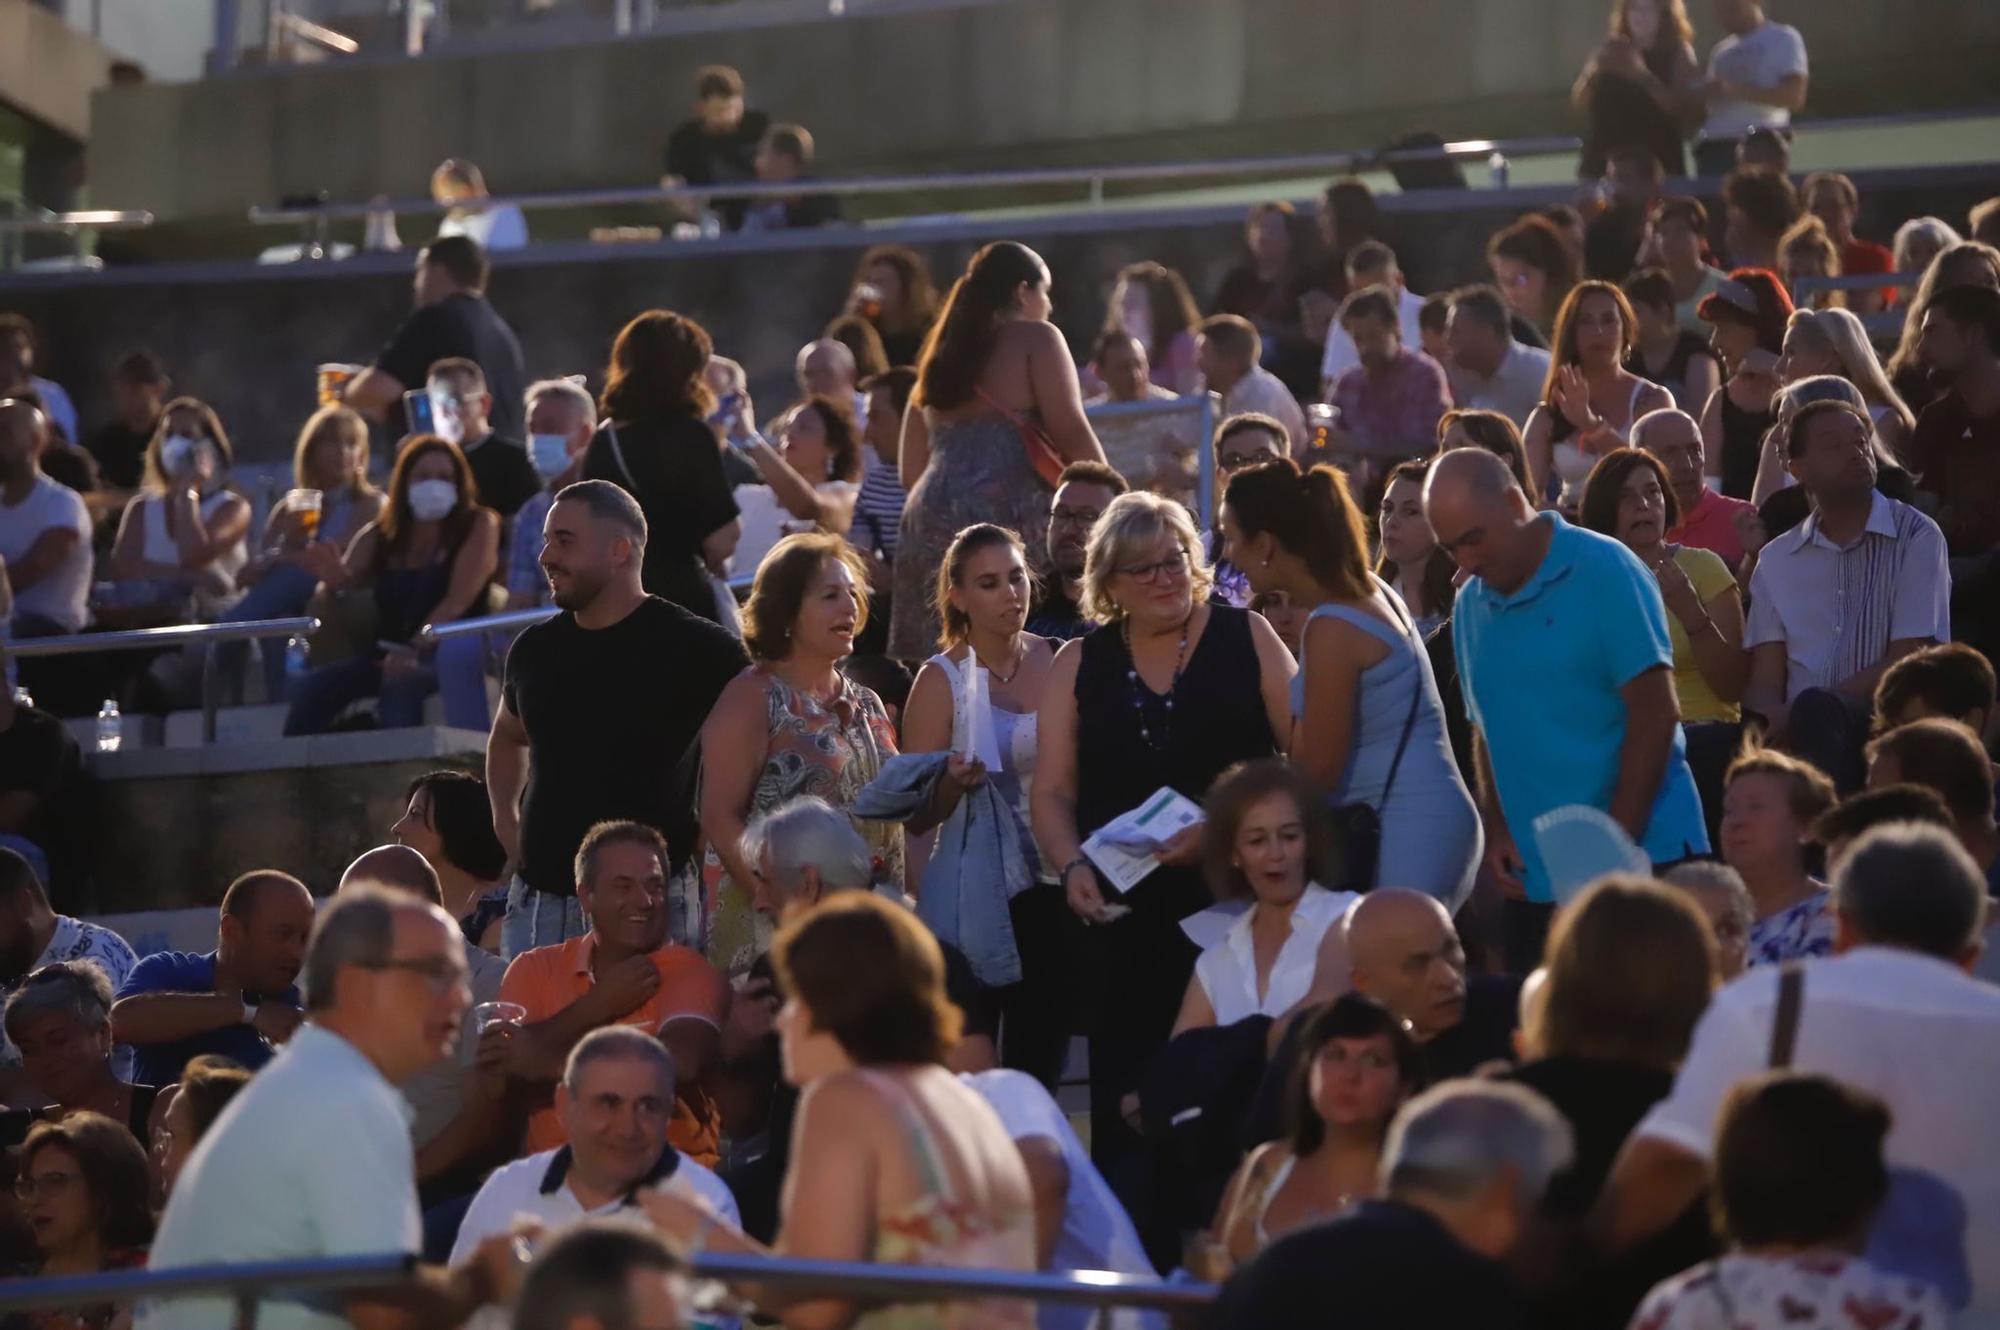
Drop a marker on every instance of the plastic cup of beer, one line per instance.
(333, 380)
(307, 504)
(497, 1013)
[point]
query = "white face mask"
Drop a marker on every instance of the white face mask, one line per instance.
(549, 453)
(433, 500)
(177, 452)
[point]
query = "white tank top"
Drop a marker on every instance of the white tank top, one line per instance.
(158, 543)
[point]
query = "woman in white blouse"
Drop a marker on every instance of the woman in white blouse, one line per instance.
(1285, 949)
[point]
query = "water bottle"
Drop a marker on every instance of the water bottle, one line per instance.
(297, 662)
(22, 697)
(110, 727)
(1497, 170)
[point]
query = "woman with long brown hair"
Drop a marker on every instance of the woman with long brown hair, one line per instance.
(1151, 302)
(1967, 263)
(1640, 86)
(656, 444)
(1590, 399)
(996, 405)
(893, 291)
(426, 560)
(1408, 556)
(182, 535)
(1534, 264)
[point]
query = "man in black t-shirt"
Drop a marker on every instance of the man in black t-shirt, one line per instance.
(500, 467)
(452, 318)
(601, 710)
(1083, 492)
(40, 765)
(139, 388)
(1464, 1168)
(719, 145)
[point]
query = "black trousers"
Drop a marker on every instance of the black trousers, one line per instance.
(1039, 1013)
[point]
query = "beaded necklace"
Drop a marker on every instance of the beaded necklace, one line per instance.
(1139, 690)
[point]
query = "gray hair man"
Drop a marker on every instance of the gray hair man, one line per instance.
(1893, 1012)
(562, 418)
(803, 850)
(314, 1159)
(1710, 519)
(1463, 1169)
(615, 1099)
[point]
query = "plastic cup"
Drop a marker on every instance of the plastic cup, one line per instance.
(307, 504)
(497, 1013)
(333, 380)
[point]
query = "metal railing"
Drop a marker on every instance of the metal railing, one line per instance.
(1092, 178)
(207, 636)
(247, 1284)
(485, 623)
(1883, 324)
(79, 226)
(1201, 403)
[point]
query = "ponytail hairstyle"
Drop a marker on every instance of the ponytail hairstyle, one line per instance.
(961, 341)
(957, 625)
(1309, 514)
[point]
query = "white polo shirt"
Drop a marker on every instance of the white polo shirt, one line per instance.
(538, 1188)
(1339, 354)
(1097, 1234)
(1919, 1034)
(1514, 389)
(312, 1159)
(1837, 608)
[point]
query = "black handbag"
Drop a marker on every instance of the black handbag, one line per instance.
(1357, 827)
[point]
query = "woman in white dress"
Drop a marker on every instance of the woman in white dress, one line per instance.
(1284, 951)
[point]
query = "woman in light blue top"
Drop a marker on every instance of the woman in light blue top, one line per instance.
(1368, 727)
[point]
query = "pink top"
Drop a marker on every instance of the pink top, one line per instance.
(1711, 525)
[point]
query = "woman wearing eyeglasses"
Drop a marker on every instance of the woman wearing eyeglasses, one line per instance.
(1170, 690)
(83, 1187)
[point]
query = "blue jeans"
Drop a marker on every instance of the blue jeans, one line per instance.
(538, 919)
(281, 593)
(457, 670)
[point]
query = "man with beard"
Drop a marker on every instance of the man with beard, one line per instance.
(600, 711)
(1084, 491)
(1390, 402)
(33, 935)
(44, 531)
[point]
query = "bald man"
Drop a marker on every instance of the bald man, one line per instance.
(1406, 955)
(44, 531)
(1567, 667)
(240, 1000)
(826, 368)
(1710, 520)
(439, 1094)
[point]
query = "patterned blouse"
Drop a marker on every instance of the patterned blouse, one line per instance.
(814, 748)
(1795, 933)
(1809, 1291)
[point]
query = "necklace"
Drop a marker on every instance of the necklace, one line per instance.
(1139, 688)
(1020, 659)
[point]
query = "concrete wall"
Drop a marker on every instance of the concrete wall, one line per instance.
(48, 70)
(248, 339)
(1024, 80)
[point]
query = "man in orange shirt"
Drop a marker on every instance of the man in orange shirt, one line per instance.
(622, 972)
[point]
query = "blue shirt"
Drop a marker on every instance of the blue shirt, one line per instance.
(1542, 669)
(189, 972)
(524, 547)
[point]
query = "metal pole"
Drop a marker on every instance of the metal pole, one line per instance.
(208, 692)
(1097, 191)
(227, 21)
(246, 1309)
(621, 18)
(1207, 461)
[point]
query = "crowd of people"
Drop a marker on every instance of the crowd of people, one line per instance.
(1524, 858)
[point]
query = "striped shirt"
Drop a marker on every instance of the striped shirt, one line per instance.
(1837, 608)
(878, 511)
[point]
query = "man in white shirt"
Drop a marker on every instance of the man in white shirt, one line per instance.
(1370, 263)
(1893, 1012)
(1079, 1223)
(1228, 350)
(1835, 601)
(313, 1158)
(616, 1098)
(1756, 80)
(1488, 369)
(33, 935)
(44, 531)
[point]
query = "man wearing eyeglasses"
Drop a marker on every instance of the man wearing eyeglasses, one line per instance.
(313, 1158)
(1085, 490)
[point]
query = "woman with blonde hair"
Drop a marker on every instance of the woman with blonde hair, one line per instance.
(1170, 690)
(792, 724)
(1833, 341)
(895, 1161)
(330, 460)
(656, 445)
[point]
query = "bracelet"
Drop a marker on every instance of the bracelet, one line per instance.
(1079, 862)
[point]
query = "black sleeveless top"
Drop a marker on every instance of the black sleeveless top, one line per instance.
(1218, 719)
(1742, 434)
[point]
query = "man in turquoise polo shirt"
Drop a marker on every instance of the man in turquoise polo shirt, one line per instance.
(1562, 646)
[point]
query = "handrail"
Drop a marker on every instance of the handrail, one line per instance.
(143, 639)
(485, 623)
(248, 1281)
(1096, 177)
(207, 636)
(65, 223)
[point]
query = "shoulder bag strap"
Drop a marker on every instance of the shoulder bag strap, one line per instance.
(618, 456)
(1416, 684)
(1785, 1021)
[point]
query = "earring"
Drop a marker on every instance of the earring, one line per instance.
(1266, 563)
